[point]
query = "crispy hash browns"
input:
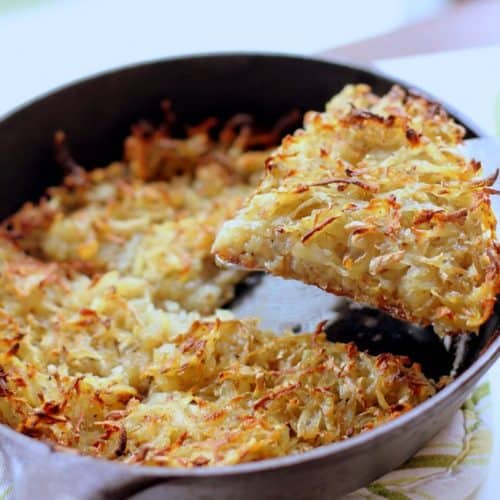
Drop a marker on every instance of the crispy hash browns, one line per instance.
(154, 216)
(373, 200)
(92, 364)
(111, 342)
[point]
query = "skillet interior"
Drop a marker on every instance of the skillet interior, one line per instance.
(96, 115)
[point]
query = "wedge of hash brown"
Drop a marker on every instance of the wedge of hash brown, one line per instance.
(373, 200)
(92, 364)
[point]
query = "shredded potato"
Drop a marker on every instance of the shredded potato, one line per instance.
(126, 217)
(92, 364)
(111, 343)
(372, 200)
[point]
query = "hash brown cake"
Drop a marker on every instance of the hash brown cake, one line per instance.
(155, 215)
(99, 353)
(92, 364)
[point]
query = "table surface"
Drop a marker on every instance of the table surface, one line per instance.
(446, 30)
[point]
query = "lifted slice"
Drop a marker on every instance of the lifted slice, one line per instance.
(372, 200)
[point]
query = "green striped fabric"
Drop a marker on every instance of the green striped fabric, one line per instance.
(453, 465)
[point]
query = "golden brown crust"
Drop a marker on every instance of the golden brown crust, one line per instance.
(155, 215)
(193, 392)
(372, 200)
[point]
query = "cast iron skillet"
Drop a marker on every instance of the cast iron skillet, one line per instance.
(96, 114)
